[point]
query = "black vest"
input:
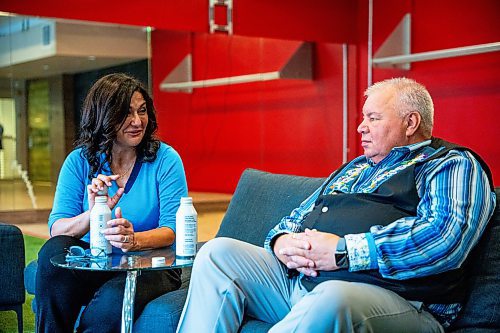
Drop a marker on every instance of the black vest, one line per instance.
(352, 213)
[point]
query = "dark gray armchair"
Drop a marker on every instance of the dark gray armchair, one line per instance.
(12, 295)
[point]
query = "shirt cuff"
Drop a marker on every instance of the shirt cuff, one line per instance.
(269, 244)
(361, 251)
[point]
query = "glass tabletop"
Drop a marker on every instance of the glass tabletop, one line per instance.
(131, 261)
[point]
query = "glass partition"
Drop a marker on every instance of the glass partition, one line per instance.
(46, 68)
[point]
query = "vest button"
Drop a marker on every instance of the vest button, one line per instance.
(324, 209)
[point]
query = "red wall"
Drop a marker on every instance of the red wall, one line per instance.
(324, 21)
(466, 90)
(295, 127)
(286, 126)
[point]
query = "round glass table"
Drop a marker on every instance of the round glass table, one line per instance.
(132, 263)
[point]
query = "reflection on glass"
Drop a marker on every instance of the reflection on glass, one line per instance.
(46, 68)
(39, 152)
(142, 260)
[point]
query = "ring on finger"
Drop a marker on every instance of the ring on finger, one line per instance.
(125, 239)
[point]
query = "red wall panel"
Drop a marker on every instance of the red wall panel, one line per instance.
(287, 126)
(318, 20)
(466, 90)
(321, 20)
(189, 15)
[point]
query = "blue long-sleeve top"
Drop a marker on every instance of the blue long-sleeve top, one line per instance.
(456, 203)
(151, 202)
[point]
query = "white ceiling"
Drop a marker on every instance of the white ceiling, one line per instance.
(57, 65)
(78, 47)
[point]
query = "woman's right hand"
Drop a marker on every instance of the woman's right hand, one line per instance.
(101, 183)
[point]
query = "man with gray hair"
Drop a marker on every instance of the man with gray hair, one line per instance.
(381, 246)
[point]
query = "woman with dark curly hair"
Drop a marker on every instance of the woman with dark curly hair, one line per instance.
(145, 180)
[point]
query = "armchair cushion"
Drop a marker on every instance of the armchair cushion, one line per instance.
(162, 314)
(482, 308)
(259, 202)
(12, 257)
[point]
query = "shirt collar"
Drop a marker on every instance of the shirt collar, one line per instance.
(401, 150)
(413, 146)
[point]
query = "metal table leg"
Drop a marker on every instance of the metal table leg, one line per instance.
(128, 302)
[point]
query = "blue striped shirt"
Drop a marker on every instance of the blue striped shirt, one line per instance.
(456, 203)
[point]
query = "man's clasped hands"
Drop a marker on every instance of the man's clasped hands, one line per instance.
(308, 252)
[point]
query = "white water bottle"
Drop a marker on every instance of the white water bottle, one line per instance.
(99, 216)
(186, 225)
